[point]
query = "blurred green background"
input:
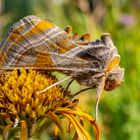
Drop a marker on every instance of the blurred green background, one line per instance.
(119, 110)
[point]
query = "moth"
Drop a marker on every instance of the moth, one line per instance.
(34, 43)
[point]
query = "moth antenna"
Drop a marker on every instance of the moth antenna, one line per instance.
(68, 29)
(85, 37)
(99, 91)
(47, 88)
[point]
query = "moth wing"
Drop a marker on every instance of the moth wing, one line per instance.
(33, 59)
(103, 53)
(113, 56)
(27, 38)
(113, 63)
(25, 32)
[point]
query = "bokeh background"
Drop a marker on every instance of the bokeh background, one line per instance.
(119, 110)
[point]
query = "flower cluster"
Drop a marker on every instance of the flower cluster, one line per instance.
(24, 108)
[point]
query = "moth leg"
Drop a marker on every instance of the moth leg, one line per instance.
(69, 84)
(55, 84)
(82, 91)
(99, 90)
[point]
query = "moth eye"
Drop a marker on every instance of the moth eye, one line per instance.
(110, 76)
(113, 77)
(110, 85)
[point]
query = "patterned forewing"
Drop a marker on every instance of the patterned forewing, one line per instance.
(37, 43)
(30, 42)
(20, 40)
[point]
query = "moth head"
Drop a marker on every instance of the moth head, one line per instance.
(114, 79)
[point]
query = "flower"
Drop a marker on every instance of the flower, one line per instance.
(23, 109)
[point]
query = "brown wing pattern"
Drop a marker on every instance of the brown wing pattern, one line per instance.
(36, 43)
